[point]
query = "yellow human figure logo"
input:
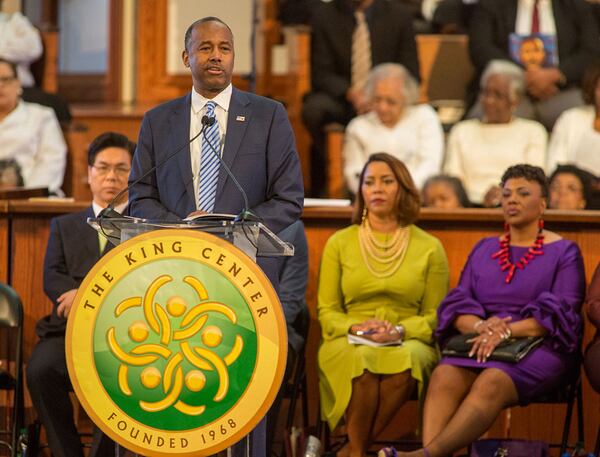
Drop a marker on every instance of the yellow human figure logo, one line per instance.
(158, 319)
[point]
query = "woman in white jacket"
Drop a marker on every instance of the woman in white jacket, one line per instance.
(30, 134)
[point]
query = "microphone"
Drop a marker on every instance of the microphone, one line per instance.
(109, 212)
(246, 214)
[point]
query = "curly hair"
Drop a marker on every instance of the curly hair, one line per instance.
(528, 172)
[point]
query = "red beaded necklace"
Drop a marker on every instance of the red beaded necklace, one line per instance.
(503, 254)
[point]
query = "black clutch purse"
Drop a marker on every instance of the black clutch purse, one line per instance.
(511, 350)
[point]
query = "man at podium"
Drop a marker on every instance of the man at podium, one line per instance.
(185, 145)
(73, 249)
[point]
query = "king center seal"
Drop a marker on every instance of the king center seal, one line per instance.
(177, 344)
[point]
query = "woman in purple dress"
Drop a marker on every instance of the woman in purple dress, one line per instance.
(527, 282)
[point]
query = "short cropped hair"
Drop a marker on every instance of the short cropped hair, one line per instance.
(394, 71)
(188, 33)
(109, 140)
(408, 203)
(528, 172)
(509, 70)
(12, 66)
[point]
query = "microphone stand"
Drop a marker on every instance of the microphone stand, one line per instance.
(110, 213)
(245, 215)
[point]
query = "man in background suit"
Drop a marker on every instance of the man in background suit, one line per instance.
(550, 90)
(333, 97)
(253, 134)
(73, 249)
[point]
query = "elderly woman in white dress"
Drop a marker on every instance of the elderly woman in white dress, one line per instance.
(479, 150)
(397, 125)
(30, 134)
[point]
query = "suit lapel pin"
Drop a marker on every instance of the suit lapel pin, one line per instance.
(241, 118)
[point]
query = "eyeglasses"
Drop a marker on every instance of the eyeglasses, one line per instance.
(119, 170)
(7, 79)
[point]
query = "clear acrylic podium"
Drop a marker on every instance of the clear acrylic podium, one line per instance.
(253, 238)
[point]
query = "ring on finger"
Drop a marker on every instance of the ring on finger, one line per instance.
(485, 340)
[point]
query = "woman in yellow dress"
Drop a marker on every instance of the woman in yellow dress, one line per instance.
(381, 281)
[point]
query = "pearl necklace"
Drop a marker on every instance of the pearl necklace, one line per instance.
(376, 253)
(503, 255)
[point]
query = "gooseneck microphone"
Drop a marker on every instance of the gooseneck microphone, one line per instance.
(109, 212)
(246, 214)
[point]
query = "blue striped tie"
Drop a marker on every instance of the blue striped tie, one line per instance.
(209, 163)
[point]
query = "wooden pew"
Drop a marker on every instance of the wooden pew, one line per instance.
(445, 71)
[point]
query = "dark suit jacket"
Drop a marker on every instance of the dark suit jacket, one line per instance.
(71, 253)
(576, 33)
(259, 148)
(392, 40)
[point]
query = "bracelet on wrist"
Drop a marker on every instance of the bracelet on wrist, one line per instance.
(401, 331)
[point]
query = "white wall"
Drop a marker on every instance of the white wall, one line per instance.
(236, 13)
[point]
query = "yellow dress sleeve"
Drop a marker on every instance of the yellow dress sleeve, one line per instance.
(332, 315)
(437, 278)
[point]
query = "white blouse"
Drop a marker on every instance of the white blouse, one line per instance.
(31, 135)
(417, 139)
(574, 140)
(479, 153)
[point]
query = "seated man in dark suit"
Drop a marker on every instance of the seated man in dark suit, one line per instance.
(570, 34)
(73, 249)
(349, 37)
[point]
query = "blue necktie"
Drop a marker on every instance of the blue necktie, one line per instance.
(209, 163)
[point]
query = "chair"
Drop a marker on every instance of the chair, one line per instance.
(296, 387)
(11, 318)
(569, 395)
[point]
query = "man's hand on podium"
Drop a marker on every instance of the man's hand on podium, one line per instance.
(65, 301)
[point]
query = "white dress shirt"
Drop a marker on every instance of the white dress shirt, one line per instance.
(119, 208)
(525, 16)
(20, 42)
(31, 135)
(417, 139)
(198, 109)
